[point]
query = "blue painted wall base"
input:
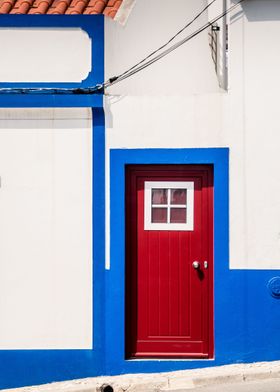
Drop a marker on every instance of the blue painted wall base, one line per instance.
(247, 316)
(31, 367)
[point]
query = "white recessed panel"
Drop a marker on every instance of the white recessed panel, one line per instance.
(46, 229)
(44, 55)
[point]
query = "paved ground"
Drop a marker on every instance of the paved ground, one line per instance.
(257, 377)
(272, 385)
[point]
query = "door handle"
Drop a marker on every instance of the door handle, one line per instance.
(196, 265)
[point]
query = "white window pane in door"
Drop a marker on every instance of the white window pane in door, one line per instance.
(178, 196)
(159, 215)
(178, 215)
(159, 196)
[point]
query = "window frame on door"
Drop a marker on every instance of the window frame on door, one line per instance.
(188, 205)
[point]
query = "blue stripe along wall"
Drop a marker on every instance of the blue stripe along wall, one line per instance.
(31, 367)
(246, 316)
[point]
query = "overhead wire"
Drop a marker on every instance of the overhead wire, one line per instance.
(170, 40)
(144, 63)
(123, 76)
(101, 86)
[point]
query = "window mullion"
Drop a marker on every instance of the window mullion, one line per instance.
(168, 204)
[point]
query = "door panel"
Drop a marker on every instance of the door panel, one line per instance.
(169, 303)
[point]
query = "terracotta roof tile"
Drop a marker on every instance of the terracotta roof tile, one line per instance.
(77, 7)
(95, 7)
(60, 7)
(112, 8)
(6, 6)
(21, 7)
(40, 7)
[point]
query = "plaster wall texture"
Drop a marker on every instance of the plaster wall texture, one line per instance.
(187, 70)
(44, 55)
(46, 229)
(145, 112)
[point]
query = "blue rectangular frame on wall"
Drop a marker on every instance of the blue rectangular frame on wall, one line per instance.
(115, 301)
(246, 315)
(32, 367)
(93, 25)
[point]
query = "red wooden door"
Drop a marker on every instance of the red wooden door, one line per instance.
(169, 261)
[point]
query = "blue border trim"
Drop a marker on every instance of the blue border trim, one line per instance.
(50, 100)
(98, 235)
(246, 317)
(32, 367)
(93, 25)
(115, 310)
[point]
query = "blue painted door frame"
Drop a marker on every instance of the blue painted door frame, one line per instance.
(246, 316)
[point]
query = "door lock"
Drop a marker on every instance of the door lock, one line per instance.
(205, 264)
(196, 265)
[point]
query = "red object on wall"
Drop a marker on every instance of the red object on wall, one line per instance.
(169, 302)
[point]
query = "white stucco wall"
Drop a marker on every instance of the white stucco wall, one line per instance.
(192, 112)
(44, 55)
(45, 228)
(46, 157)
(254, 61)
(187, 70)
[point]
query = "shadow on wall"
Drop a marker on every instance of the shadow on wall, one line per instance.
(260, 10)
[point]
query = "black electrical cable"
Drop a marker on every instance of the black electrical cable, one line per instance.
(111, 80)
(132, 70)
(169, 50)
(50, 90)
(166, 44)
